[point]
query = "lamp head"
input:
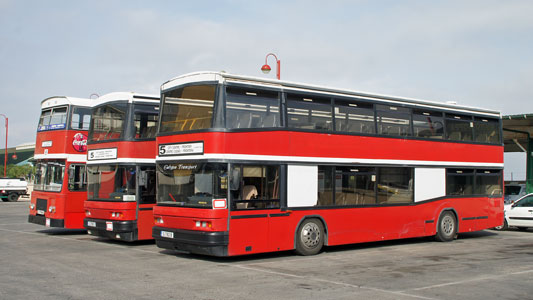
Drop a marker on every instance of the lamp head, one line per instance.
(265, 68)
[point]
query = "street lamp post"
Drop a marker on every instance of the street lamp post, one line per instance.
(5, 149)
(266, 68)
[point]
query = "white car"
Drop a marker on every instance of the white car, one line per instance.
(518, 214)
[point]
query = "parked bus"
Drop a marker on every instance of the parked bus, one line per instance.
(121, 167)
(248, 165)
(60, 184)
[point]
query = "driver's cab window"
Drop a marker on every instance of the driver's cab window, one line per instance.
(255, 187)
(526, 202)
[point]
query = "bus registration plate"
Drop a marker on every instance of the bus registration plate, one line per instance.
(167, 234)
(91, 224)
(109, 226)
(47, 224)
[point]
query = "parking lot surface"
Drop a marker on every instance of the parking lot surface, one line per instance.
(40, 263)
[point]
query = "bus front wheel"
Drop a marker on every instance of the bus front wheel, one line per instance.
(310, 237)
(446, 227)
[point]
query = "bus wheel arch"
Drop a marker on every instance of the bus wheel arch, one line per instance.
(310, 235)
(447, 225)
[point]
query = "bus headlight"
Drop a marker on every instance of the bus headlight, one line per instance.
(32, 206)
(52, 209)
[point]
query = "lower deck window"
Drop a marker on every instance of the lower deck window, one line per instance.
(486, 182)
(361, 185)
(255, 187)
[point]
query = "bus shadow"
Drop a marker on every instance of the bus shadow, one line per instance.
(327, 249)
(119, 242)
(63, 231)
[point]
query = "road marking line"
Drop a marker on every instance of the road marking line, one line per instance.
(330, 281)
(469, 280)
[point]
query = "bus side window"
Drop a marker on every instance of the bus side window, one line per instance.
(255, 187)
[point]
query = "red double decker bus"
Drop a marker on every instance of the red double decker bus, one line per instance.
(121, 167)
(60, 184)
(248, 165)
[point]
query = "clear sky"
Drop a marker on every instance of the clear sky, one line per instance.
(477, 53)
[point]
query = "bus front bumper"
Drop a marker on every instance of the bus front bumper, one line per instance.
(198, 242)
(41, 220)
(117, 230)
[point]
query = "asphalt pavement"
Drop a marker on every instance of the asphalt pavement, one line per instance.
(41, 263)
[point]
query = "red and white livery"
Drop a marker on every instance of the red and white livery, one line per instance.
(60, 185)
(249, 165)
(121, 166)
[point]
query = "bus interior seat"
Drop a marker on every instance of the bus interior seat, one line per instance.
(245, 120)
(270, 121)
(248, 192)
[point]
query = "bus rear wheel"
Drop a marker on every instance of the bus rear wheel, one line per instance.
(310, 237)
(446, 227)
(13, 197)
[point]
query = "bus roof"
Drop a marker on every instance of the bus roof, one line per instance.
(303, 87)
(125, 96)
(64, 100)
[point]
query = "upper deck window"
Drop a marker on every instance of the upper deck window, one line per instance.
(108, 122)
(487, 130)
(81, 118)
(54, 118)
(354, 117)
(188, 108)
(145, 120)
(309, 112)
(251, 108)
(393, 120)
(459, 127)
(428, 124)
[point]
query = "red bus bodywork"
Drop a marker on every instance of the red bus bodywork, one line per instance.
(238, 136)
(275, 229)
(121, 220)
(62, 208)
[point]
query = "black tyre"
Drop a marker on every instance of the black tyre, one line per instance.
(446, 227)
(13, 197)
(504, 226)
(310, 237)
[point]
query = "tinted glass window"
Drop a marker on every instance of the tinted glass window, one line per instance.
(77, 178)
(459, 128)
(188, 108)
(459, 182)
(108, 122)
(428, 124)
(55, 118)
(355, 117)
(191, 184)
(393, 120)
(49, 175)
(395, 185)
(487, 130)
(309, 112)
(254, 187)
(355, 186)
(325, 185)
(526, 202)
(145, 120)
(81, 118)
(488, 182)
(111, 182)
(147, 185)
(251, 108)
